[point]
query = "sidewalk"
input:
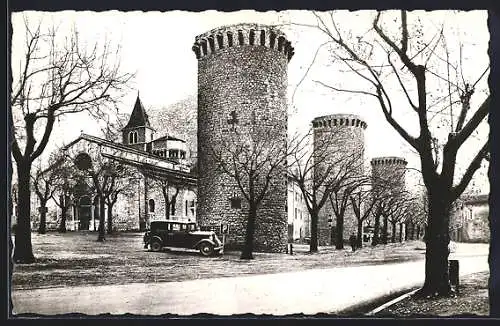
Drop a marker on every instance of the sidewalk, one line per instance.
(309, 292)
(472, 300)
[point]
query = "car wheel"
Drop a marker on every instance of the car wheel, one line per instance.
(156, 245)
(206, 249)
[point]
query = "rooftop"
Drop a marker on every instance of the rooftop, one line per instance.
(138, 117)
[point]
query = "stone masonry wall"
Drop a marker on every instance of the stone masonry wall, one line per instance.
(342, 136)
(242, 82)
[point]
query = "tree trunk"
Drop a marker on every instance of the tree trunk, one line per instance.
(42, 227)
(360, 234)
(64, 211)
(394, 232)
(385, 230)
(339, 241)
(23, 250)
(313, 246)
(102, 209)
(400, 232)
(247, 252)
(412, 234)
(437, 239)
(376, 230)
(406, 231)
(167, 210)
(418, 232)
(110, 218)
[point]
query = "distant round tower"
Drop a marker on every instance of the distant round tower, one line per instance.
(390, 170)
(242, 83)
(341, 137)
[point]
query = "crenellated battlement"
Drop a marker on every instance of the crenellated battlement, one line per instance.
(339, 120)
(241, 35)
(388, 160)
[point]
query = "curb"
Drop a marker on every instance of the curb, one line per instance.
(390, 303)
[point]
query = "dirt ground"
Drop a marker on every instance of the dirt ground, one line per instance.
(472, 300)
(76, 258)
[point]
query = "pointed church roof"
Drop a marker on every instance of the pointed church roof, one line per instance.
(138, 117)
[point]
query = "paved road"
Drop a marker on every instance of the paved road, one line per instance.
(310, 292)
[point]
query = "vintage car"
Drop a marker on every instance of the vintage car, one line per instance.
(177, 234)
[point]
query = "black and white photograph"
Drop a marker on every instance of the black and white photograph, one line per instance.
(272, 163)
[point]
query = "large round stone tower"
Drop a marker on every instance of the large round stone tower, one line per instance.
(242, 83)
(340, 142)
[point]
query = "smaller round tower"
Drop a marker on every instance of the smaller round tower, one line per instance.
(389, 170)
(341, 137)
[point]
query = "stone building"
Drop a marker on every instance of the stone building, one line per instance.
(341, 137)
(150, 161)
(242, 83)
(390, 171)
(469, 219)
(298, 216)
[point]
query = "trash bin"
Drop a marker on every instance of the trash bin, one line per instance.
(454, 272)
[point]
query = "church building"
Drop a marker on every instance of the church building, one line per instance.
(158, 184)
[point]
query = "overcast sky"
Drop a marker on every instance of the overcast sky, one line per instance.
(157, 47)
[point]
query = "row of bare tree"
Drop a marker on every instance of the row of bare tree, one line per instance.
(255, 162)
(64, 182)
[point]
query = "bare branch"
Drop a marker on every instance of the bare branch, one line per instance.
(472, 168)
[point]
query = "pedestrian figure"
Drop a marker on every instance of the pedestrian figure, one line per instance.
(352, 242)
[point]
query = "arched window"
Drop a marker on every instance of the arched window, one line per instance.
(151, 205)
(132, 137)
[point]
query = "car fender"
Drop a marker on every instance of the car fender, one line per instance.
(155, 238)
(205, 240)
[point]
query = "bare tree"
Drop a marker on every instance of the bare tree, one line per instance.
(363, 202)
(417, 216)
(44, 185)
(384, 59)
(377, 213)
(169, 199)
(56, 77)
(65, 179)
(104, 174)
(317, 171)
(257, 164)
(402, 208)
(117, 182)
(347, 178)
